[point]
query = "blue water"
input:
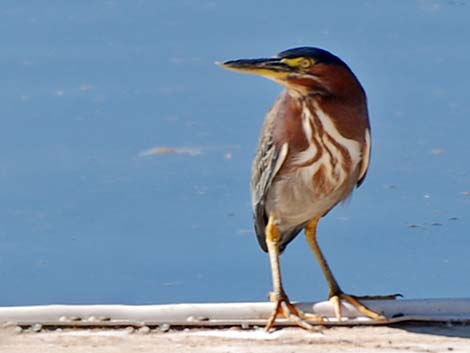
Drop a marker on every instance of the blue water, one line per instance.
(87, 87)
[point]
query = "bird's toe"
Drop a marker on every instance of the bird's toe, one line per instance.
(354, 301)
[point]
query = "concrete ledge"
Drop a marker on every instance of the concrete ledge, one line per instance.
(229, 314)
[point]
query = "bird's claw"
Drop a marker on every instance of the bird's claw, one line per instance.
(284, 307)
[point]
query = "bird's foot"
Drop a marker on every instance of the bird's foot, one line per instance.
(354, 301)
(284, 307)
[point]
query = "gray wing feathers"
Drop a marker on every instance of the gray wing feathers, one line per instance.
(365, 158)
(267, 162)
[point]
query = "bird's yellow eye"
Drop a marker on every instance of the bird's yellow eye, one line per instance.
(306, 63)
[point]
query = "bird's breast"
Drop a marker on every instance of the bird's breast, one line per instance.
(330, 160)
(315, 179)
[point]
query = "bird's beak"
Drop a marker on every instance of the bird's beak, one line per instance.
(272, 68)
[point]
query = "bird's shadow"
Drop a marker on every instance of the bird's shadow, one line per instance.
(460, 330)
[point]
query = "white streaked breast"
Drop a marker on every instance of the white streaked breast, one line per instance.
(334, 171)
(352, 146)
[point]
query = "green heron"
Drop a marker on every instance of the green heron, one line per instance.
(313, 151)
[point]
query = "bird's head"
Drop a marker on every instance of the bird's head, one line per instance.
(305, 70)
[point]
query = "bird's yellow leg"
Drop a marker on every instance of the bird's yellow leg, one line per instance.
(278, 295)
(335, 293)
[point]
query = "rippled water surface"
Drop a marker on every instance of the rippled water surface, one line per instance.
(125, 152)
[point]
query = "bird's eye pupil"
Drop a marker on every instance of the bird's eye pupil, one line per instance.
(305, 63)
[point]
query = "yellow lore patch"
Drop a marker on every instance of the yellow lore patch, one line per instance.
(299, 63)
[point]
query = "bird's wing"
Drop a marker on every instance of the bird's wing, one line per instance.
(268, 160)
(365, 159)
